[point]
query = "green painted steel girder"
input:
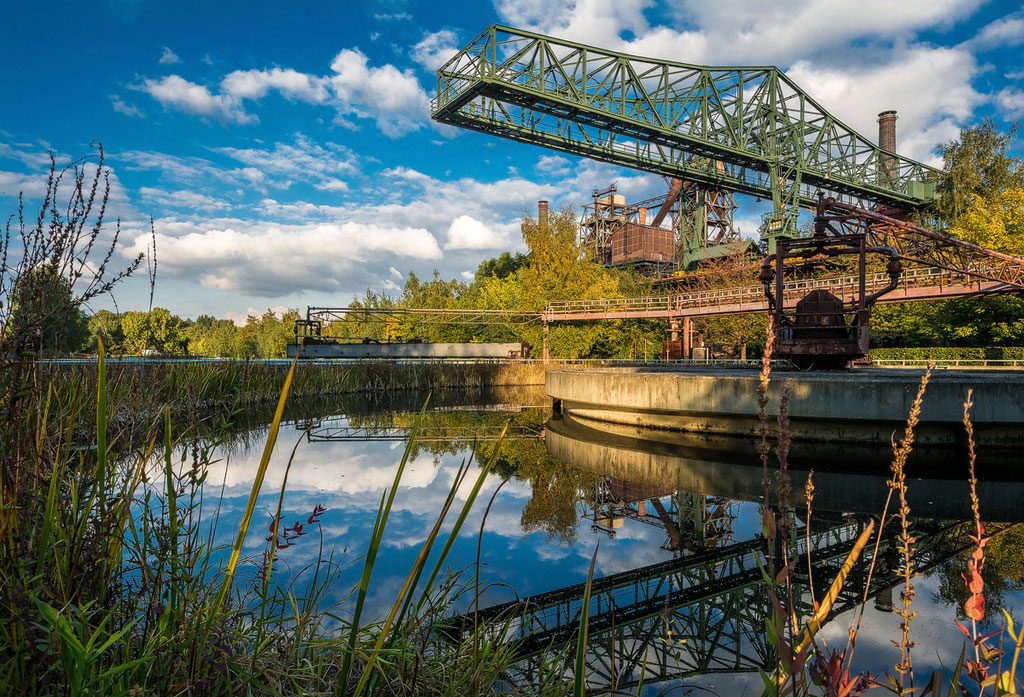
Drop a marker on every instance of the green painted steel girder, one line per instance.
(745, 129)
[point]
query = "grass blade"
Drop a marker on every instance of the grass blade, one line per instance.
(257, 484)
(383, 511)
(579, 678)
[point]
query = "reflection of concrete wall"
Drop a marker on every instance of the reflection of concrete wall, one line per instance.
(426, 350)
(627, 453)
(840, 406)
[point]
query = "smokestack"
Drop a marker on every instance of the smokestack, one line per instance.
(887, 130)
(643, 216)
(542, 214)
(888, 173)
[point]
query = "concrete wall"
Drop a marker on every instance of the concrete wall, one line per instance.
(425, 350)
(671, 464)
(860, 405)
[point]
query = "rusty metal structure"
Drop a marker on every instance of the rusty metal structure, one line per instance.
(692, 521)
(731, 129)
(678, 230)
(826, 330)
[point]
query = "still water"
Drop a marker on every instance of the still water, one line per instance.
(676, 522)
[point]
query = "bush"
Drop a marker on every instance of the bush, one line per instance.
(950, 353)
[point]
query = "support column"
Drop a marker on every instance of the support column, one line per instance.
(547, 356)
(687, 337)
(669, 353)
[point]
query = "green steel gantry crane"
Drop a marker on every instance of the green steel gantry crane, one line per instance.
(746, 129)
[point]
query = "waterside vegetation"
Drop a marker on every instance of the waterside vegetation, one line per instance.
(111, 584)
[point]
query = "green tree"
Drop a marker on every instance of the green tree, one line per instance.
(137, 334)
(995, 221)
(106, 325)
(165, 331)
(44, 303)
(209, 336)
(501, 266)
(979, 163)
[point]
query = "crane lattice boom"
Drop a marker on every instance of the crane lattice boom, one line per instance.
(745, 129)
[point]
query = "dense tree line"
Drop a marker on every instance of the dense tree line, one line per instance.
(160, 332)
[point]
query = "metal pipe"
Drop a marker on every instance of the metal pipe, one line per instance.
(673, 194)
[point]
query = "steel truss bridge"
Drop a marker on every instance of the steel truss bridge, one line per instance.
(927, 283)
(747, 129)
(704, 613)
(401, 315)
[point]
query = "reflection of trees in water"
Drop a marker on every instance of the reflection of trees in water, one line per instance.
(1003, 573)
(557, 490)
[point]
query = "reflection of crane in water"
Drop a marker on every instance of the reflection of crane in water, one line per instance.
(692, 521)
(471, 423)
(705, 612)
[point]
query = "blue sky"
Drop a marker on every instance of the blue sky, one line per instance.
(288, 159)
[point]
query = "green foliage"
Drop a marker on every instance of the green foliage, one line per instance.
(57, 323)
(501, 266)
(159, 331)
(995, 221)
(977, 164)
(554, 269)
(980, 321)
(950, 353)
(105, 326)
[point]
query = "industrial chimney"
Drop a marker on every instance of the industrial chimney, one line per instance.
(542, 214)
(888, 169)
(887, 130)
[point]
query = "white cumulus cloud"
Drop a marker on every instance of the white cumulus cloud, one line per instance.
(169, 57)
(1011, 102)
(254, 84)
(929, 110)
(176, 93)
(393, 98)
(467, 232)
(435, 48)
(267, 259)
(1005, 31)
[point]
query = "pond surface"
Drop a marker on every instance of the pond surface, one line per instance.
(678, 595)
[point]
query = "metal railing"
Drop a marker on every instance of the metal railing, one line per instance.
(285, 362)
(749, 295)
(949, 362)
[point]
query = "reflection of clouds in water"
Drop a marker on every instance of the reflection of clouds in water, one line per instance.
(938, 638)
(633, 546)
(349, 478)
(314, 470)
(553, 553)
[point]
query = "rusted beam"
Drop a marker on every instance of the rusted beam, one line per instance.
(673, 194)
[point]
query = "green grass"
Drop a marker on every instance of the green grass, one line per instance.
(111, 584)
